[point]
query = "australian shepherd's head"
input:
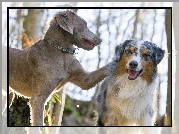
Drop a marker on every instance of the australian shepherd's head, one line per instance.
(138, 59)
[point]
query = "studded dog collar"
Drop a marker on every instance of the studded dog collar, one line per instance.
(64, 50)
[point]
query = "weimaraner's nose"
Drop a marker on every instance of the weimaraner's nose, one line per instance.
(98, 40)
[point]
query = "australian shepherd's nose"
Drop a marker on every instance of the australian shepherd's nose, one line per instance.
(133, 74)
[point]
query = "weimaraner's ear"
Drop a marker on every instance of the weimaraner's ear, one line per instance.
(66, 20)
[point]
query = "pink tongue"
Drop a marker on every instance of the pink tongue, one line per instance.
(132, 74)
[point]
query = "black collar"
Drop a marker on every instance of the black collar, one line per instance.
(64, 50)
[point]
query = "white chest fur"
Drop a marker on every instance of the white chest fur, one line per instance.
(130, 98)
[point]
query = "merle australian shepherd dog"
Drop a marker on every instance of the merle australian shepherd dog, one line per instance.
(128, 96)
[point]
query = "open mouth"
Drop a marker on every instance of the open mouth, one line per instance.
(133, 74)
(89, 44)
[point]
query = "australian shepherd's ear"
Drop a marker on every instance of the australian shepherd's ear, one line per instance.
(118, 52)
(158, 54)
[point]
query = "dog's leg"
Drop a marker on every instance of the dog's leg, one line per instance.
(39, 97)
(87, 80)
(37, 103)
(37, 110)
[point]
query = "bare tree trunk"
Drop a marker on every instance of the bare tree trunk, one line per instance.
(32, 23)
(175, 129)
(59, 108)
(135, 24)
(57, 113)
(109, 32)
(32, 27)
(154, 21)
(167, 120)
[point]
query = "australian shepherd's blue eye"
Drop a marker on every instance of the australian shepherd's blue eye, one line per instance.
(128, 52)
(146, 57)
(130, 49)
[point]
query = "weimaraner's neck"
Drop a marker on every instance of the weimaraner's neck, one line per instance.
(57, 37)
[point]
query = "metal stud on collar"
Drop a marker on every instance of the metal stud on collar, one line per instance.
(76, 49)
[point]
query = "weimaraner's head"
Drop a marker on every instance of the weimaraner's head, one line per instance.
(77, 28)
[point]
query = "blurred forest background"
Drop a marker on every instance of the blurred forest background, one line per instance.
(26, 26)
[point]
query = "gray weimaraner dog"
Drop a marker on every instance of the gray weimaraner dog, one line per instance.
(36, 72)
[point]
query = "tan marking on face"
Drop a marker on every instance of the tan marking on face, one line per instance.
(121, 66)
(148, 68)
(144, 51)
(132, 49)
